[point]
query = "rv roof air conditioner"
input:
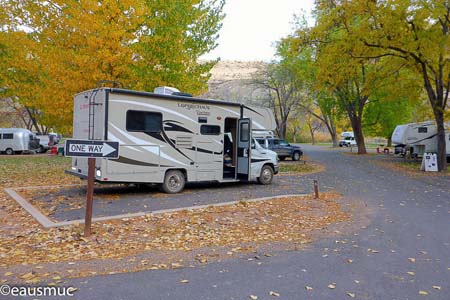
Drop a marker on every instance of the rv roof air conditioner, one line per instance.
(165, 90)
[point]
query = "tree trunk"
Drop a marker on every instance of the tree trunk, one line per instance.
(294, 135)
(282, 130)
(357, 131)
(334, 138)
(311, 132)
(441, 143)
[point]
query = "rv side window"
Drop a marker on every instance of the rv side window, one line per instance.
(245, 132)
(144, 121)
(423, 129)
(8, 136)
(210, 129)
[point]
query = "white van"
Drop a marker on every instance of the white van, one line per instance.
(17, 140)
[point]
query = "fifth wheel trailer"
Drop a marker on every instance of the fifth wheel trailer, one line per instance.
(172, 139)
(418, 138)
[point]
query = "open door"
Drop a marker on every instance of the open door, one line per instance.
(243, 148)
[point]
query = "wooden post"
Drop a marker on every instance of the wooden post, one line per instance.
(89, 196)
(316, 190)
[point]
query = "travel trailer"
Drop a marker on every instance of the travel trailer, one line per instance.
(169, 138)
(17, 140)
(418, 138)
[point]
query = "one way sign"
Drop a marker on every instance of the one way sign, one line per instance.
(88, 148)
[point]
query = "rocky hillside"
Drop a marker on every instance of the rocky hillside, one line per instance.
(232, 80)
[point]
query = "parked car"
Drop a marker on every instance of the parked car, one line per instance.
(347, 142)
(281, 147)
(17, 140)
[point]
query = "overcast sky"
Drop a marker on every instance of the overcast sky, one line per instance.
(251, 27)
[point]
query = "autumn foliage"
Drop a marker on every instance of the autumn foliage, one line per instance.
(51, 50)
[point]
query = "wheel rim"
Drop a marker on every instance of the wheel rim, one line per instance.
(296, 156)
(174, 182)
(266, 174)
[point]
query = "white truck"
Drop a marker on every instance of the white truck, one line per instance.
(169, 138)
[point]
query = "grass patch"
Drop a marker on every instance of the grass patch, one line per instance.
(300, 167)
(34, 170)
(411, 167)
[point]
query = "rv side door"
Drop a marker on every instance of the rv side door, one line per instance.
(243, 144)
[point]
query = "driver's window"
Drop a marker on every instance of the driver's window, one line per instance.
(283, 143)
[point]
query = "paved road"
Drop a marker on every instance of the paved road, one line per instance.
(409, 231)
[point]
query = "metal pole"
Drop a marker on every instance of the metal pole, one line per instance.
(316, 190)
(89, 197)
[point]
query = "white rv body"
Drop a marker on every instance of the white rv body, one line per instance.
(181, 133)
(419, 137)
(17, 140)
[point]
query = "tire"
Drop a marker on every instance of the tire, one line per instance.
(40, 149)
(174, 182)
(296, 156)
(282, 157)
(266, 175)
(9, 151)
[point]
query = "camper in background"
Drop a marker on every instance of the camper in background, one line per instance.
(169, 138)
(417, 139)
(17, 140)
(347, 139)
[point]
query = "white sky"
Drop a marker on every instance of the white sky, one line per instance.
(251, 27)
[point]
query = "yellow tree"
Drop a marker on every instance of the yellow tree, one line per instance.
(141, 44)
(417, 33)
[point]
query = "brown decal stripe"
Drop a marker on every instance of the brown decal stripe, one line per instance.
(129, 161)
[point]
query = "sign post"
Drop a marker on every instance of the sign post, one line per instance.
(92, 150)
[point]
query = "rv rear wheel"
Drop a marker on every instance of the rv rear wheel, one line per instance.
(174, 182)
(266, 175)
(9, 151)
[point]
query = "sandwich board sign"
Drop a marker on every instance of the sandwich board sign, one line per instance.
(429, 162)
(90, 148)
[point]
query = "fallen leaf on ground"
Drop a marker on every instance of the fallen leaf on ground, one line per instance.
(253, 297)
(411, 273)
(308, 288)
(352, 295)
(332, 286)
(184, 281)
(275, 294)
(412, 259)
(436, 287)
(423, 293)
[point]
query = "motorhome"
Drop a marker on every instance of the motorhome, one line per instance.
(169, 138)
(417, 138)
(17, 140)
(347, 139)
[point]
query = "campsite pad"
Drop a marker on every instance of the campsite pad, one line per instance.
(68, 203)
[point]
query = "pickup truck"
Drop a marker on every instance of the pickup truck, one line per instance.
(281, 147)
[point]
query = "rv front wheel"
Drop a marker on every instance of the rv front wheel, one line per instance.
(266, 175)
(174, 182)
(9, 151)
